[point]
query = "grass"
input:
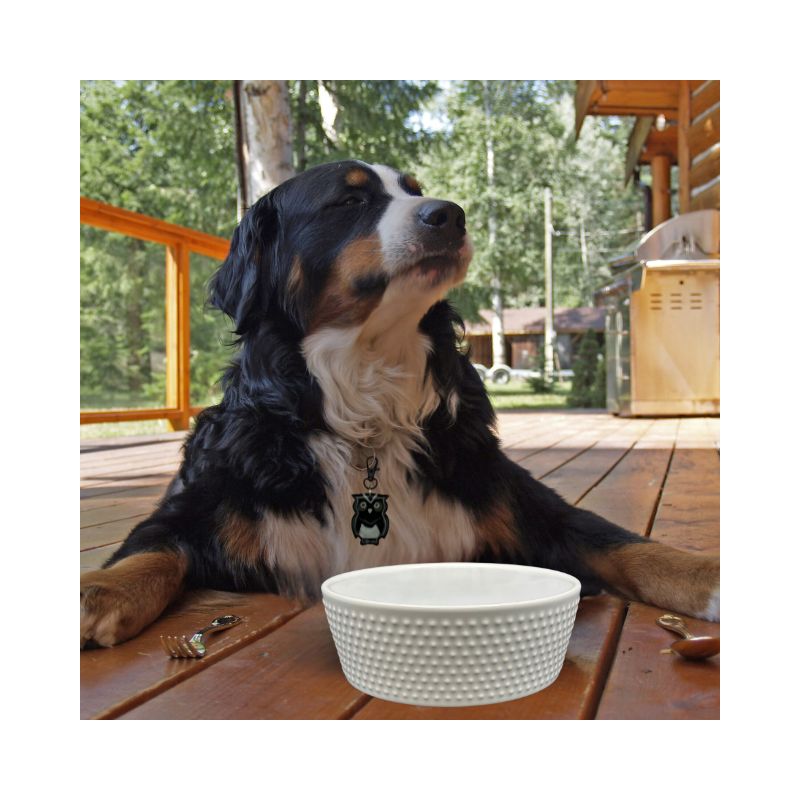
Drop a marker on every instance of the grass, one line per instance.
(515, 394)
(518, 394)
(106, 430)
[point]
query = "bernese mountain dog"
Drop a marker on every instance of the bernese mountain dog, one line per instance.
(350, 376)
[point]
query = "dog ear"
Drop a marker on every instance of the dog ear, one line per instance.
(241, 286)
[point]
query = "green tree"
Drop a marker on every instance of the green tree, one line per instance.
(162, 148)
(587, 367)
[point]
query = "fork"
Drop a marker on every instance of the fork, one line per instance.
(194, 646)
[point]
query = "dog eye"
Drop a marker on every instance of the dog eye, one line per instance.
(352, 200)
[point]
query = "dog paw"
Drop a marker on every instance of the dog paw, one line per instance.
(711, 611)
(107, 616)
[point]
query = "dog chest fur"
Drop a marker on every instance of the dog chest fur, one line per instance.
(374, 402)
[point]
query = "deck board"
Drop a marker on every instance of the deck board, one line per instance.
(654, 476)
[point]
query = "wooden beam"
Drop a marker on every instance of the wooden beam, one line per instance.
(584, 90)
(704, 131)
(684, 155)
(706, 169)
(708, 198)
(638, 137)
(659, 169)
(140, 226)
(705, 97)
(129, 415)
(177, 309)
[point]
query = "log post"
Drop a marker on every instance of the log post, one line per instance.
(684, 153)
(659, 170)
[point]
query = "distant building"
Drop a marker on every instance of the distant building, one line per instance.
(524, 334)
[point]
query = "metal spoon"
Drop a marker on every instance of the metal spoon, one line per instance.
(695, 648)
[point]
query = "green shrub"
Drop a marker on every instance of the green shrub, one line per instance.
(589, 381)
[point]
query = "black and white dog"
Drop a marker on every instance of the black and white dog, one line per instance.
(347, 355)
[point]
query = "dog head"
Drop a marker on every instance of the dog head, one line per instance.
(342, 245)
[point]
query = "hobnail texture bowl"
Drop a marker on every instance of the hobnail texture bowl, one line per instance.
(451, 634)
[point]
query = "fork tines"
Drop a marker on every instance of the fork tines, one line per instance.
(180, 647)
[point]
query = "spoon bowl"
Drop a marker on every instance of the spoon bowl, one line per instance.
(693, 648)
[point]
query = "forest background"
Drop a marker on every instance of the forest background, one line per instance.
(167, 149)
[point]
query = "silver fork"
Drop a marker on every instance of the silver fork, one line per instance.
(194, 646)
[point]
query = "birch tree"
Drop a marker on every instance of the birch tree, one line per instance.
(263, 138)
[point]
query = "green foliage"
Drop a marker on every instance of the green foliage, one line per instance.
(534, 147)
(166, 149)
(374, 123)
(589, 381)
(539, 383)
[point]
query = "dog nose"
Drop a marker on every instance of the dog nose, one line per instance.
(444, 216)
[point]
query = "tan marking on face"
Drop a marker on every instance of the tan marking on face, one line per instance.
(497, 530)
(340, 304)
(659, 575)
(356, 177)
(118, 602)
(412, 183)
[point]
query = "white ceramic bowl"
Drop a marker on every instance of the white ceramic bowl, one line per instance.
(451, 634)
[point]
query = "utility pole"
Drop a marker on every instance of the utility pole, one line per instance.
(549, 328)
(585, 262)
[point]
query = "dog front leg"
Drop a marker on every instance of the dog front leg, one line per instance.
(121, 600)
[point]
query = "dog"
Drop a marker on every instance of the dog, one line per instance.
(350, 384)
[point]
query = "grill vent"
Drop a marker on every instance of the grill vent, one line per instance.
(676, 301)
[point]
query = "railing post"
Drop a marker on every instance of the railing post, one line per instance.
(178, 332)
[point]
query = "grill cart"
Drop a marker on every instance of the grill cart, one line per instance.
(662, 321)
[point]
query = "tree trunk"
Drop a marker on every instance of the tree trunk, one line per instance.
(498, 334)
(263, 138)
(300, 125)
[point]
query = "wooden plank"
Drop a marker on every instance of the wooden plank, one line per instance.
(708, 198)
(129, 415)
(546, 461)
(116, 679)
(117, 466)
(646, 684)
(293, 673)
(122, 497)
(636, 140)
(109, 532)
(643, 683)
(576, 692)
(684, 151)
(140, 226)
(584, 94)
(127, 455)
(95, 558)
(125, 478)
(704, 98)
(704, 133)
(144, 483)
(705, 170)
(628, 495)
(578, 476)
(119, 511)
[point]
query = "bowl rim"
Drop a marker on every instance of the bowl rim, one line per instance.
(572, 591)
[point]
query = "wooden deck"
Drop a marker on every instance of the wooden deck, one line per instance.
(656, 477)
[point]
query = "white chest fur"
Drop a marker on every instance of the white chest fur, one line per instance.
(373, 402)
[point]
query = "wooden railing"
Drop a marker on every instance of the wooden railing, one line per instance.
(179, 242)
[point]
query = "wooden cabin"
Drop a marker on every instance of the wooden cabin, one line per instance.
(677, 123)
(662, 311)
(524, 334)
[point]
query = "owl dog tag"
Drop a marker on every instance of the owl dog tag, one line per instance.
(370, 523)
